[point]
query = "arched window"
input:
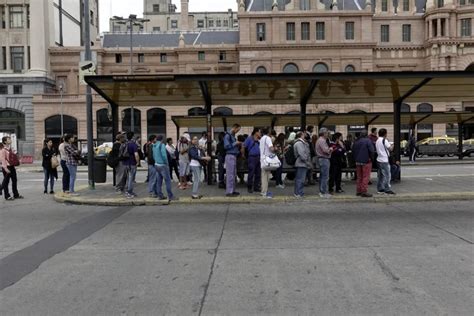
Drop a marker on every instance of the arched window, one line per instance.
(405, 128)
(424, 130)
(349, 68)
(137, 121)
(104, 127)
(197, 131)
(263, 113)
(223, 111)
(355, 130)
(470, 67)
(261, 70)
(52, 127)
(12, 122)
(156, 122)
(320, 67)
(405, 108)
(291, 68)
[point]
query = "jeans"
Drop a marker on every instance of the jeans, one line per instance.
(395, 172)
(6, 180)
(48, 177)
(72, 177)
(363, 176)
(299, 180)
(383, 175)
(254, 176)
(279, 175)
(120, 176)
(163, 173)
(131, 171)
(231, 172)
(196, 171)
(65, 176)
(152, 180)
(324, 165)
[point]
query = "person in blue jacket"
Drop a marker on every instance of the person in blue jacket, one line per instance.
(162, 168)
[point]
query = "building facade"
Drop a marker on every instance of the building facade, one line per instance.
(164, 18)
(287, 36)
(27, 29)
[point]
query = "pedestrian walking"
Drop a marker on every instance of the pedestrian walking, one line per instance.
(198, 159)
(63, 156)
(337, 162)
(73, 155)
(252, 153)
(302, 164)
(232, 151)
(173, 158)
(323, 152)
(131, 164)
(9, 161)
(266, 150)
(162, 168)
(183, 148)
(50, 171)
(412, 148)
(363, 151)
(383, 148)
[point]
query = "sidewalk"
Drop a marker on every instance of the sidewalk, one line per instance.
(410, 189)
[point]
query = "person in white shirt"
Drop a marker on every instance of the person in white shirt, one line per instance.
(383, 148)
(62, 154)
(266, 149)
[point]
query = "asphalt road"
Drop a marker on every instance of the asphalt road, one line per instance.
(293, 259)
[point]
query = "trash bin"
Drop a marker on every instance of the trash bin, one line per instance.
(100, 169)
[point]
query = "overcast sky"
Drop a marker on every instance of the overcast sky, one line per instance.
(109, 8)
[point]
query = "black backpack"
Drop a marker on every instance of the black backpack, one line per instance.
(113, 158)
(290, 156)
(123, 152)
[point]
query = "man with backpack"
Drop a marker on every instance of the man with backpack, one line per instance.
(160, 158)
(299, 156)
(9, 161)
(115, 161)
(252, 154)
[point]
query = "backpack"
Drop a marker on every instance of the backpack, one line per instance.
(149, 154)
(12, 158)
(123, 152)
(290, 156)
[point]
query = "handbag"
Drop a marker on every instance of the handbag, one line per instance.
(271, 163)
(54, 162)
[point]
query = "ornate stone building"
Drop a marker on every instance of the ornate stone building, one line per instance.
(280, 36)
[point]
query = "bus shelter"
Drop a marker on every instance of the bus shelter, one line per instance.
(291, 89)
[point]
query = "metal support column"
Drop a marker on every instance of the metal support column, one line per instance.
(90, 130)
(460, 137)
(303, 116)
(397, 118)
(207, 98)
(115, 131)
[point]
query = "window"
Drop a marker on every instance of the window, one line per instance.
(210, 23)
(16, 17)
(462, 2)
(349, 30)
(17, 89)
(174, 24)
(156, 8)
(163, 58)
(384, 33)
(3, 58)
(466, 27)
(137, 121)
(116, 28)
(320, 31)
(222, 56)
(290, 68)
(349, 68)
(201, 56)
(218, 23)
(29, 57)
(28, 16)
(305, 5)
(118, 58)
(156, 29)
(200, 24)
(226, 23)
(406, 32)
(290, 31)
(443, 27)
(141, 58)
(261, 32)
(52, 126)
(406, 5)
(320, 67)
(384, 5)
(17, 58)
(305, 33)
(440, 3)
(2, 17)
(104, 126)
(435, 28)
(3, 89)
(92, 17)
(156, 119)
(261, 70)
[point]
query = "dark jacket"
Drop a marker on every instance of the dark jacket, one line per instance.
(47, 155)
(363, 150)
(194, 153)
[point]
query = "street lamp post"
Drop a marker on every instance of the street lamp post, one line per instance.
(62, 110)
(132, 21)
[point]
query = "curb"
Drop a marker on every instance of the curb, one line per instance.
(401, 198)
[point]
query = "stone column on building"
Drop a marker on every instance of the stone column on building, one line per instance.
(378, 6)
(185, 15)
(43, 25)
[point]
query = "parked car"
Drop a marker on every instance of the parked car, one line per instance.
(468, 147)
(437, 141)
(437, 146)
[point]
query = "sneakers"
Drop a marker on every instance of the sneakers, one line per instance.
(196, 197)
(130, 195)
(162, 198)
(269, 195)
(250, 190)
(173, 198)
(297, 196)
(381, 192)
(324, 196)
(280, 186)
(340, 191)
(153, 195)
(390, 192)
(234, 194)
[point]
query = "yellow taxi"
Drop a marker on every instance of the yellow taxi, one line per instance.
(438, 141)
